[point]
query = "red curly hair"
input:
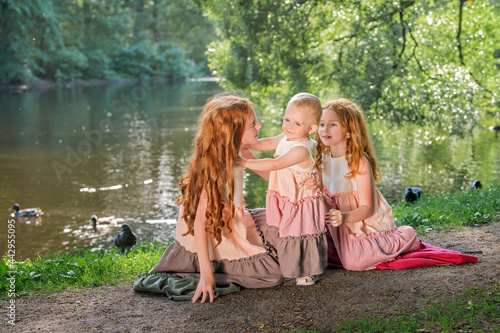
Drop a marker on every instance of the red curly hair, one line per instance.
(358, 145)
(215, 153)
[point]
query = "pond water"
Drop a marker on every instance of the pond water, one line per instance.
(120, 151)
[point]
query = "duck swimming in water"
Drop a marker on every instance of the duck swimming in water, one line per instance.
(27, 212)
(103, 221)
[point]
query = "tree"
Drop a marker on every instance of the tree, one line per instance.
(402, 60)
(58, 40)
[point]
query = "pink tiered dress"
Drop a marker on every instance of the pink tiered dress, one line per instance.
(364, 244)
(296, 217)
(243, 256)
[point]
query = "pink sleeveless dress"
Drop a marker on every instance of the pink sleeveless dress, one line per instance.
(296, 217)
(364, 244)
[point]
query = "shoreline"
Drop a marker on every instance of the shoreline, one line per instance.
(49, 85)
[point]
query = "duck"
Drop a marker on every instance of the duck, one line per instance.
(27, 212)
(125, 239)
(475, 185)
(103, 221)
(412, 194)
(495, 129)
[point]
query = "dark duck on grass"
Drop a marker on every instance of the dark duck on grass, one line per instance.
(475, 185)
(495, 129)
(126, 239)
(412, 194)
(27, 212)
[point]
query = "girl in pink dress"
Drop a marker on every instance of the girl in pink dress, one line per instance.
(294, 213)
(359, 218)
(216, 238)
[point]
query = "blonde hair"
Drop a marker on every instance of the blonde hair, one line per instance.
(215, 152)
(358, 145)
(310, 101)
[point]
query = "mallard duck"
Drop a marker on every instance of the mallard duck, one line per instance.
(27, 212)
(103, 221)
(412, 194)
(125, 239)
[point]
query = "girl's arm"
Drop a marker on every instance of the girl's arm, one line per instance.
(267, 143)
(296, 155)
(206, 286)
(247, 154)
(366, 207)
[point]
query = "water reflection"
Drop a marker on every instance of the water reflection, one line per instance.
(121, 150)
(79, 152)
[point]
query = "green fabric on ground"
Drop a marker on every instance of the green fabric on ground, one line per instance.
(177, 288)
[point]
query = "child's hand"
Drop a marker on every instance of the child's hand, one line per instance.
(204, 288)
(313, 182)
(334, 217)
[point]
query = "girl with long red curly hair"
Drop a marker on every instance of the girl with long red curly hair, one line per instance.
(216, 236)
(359, 218)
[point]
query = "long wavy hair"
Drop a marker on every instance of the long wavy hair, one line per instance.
(215, 152)
(358, 145)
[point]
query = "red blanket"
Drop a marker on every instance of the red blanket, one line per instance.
(425, 255)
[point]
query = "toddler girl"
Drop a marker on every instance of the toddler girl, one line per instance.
(294, 213)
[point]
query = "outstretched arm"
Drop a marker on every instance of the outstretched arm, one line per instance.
(296, 155)
(366, 208)
(247, 154)
(266, 143)
(206, 286)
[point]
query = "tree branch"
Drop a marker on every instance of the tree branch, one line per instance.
(459, 32)
(416, 59)
(404, 40)
(459, 44)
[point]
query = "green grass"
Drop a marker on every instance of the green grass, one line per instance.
(82, 268)
(472, 208)
(477, 310)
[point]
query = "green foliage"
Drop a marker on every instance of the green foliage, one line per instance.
(65, 41)
(403, 60)
(472, 207)
(80, 268)
(24, 30)
(170, 60)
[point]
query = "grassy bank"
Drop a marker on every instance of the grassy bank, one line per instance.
(86, 268)
(476, 310)
(83, 268)
(468, 208)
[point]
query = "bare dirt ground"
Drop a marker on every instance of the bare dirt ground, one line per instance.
(340, 294)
